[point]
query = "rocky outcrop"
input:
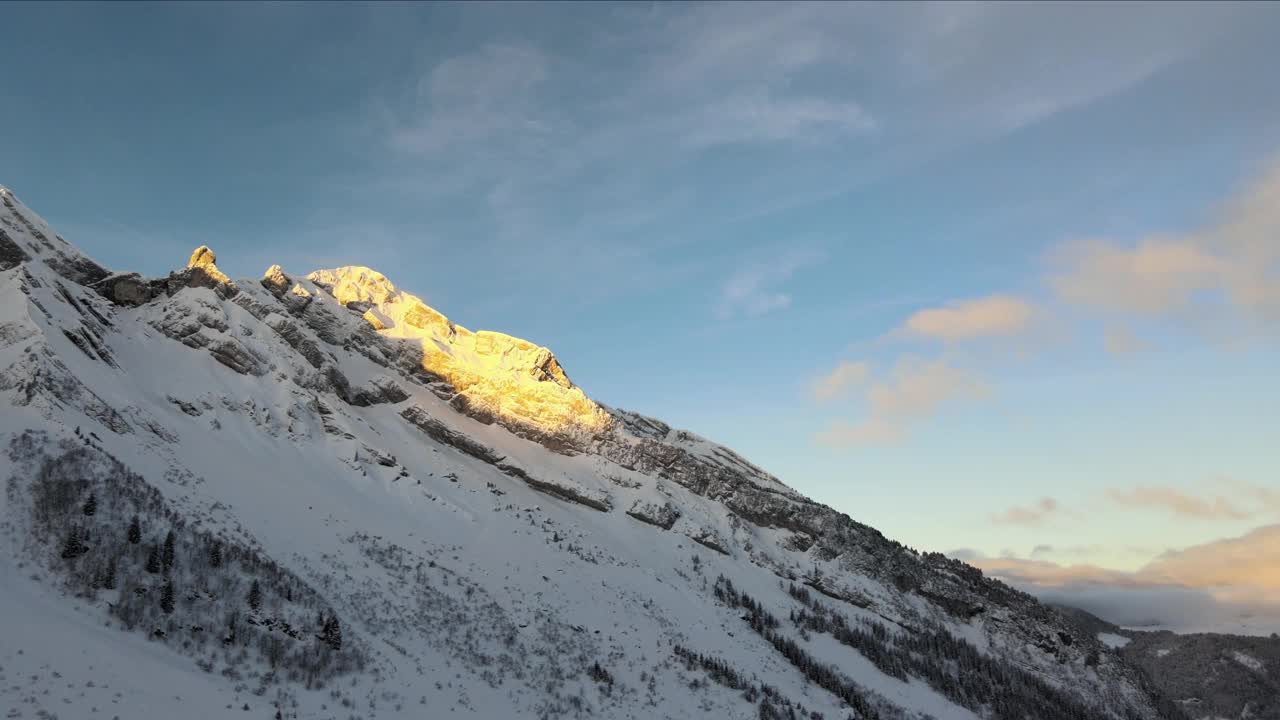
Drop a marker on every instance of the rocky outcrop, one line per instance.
(202, 272)
(709, 538)
(421, 317)
(490, 376)
(559, 490)
(276, 281)
(56, 253)
(11, 254)
(380, 457)
(664, 515)
(128, 289)
(355, 284)
(377, 392)
(440, 432)
(292, 295)
(237, 357)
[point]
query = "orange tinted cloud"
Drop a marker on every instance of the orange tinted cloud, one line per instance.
(1179, 503)
(995, 315)
(1028, 515)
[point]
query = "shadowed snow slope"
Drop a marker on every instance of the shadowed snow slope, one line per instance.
(317, 496)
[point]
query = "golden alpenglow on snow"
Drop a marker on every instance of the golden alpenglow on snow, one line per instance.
(511, 379)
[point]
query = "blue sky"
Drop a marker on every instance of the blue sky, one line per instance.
(999, 277)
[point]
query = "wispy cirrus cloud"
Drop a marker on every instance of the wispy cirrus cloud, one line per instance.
(1177, 502)
(760, 287)
(1241, 501)
(476, 97)
(766, 117)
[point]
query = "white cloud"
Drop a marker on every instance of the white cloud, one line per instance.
(1245, 568)
(1154, 277)
(757, 289)
(1005, 66)
(991, 316)
(764, 117)
(872, 431)
(840, 380)
(1030, 515)
(1178, 502)
(1240, 501)
(916, 388)
(1232, 584)
(1224, 280)
(914, 391)
(473, 98)
(1120, 340)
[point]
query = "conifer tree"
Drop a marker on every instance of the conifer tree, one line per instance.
(109, 575)
(90, 505)
(331, 633)
(215, 554)
(135, 531)
(166, 598)
(73, 546)
(166, 558)
(255, 595)
(153, 560)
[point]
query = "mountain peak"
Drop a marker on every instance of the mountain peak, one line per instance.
(202, 257)
(320, 436)
(496, 377)
(355, 284)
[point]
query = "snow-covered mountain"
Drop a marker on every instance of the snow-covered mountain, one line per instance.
(316, 497)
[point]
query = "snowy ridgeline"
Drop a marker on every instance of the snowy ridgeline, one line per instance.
(319, 498)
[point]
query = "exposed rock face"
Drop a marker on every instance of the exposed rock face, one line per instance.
(707, 537)
(202, 257)
(295, 297)
(129, 289)
(55, 252)
(424, 318)
(490, 376)
(276, 281)
(375, 319)
(11, 254)
(356, 284)
(664, 515)
(379, 391)
(201, 272)
(440, 432)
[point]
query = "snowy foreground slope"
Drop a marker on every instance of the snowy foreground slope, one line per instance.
(317, 497)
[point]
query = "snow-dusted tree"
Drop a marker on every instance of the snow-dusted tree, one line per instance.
(90, 506)
(215, 554)
(73, 546)
(166, 557)
(331, 633)
(255, 595)
(109, 575)
(153, 560)
(166, 597)
(135, 531)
